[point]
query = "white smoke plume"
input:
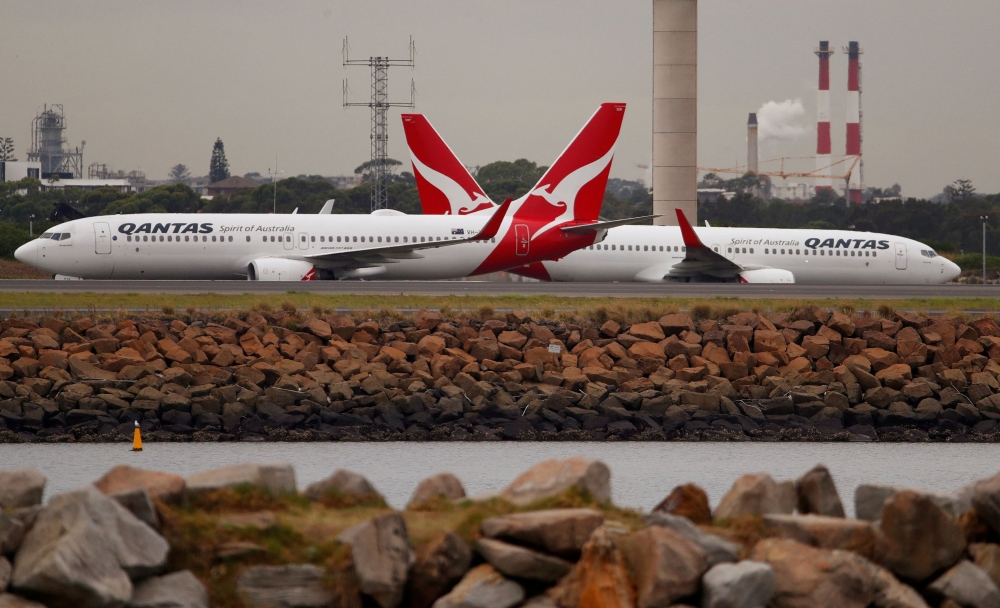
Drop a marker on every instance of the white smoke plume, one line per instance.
(778, 121)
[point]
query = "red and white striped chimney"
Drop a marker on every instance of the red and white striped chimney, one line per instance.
(854, 118)
(823, 144)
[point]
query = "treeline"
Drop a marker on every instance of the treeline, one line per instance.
(948, 227)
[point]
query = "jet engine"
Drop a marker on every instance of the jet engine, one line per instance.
(280, 269)
(767, 275)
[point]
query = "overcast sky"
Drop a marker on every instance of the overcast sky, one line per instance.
(152, 84)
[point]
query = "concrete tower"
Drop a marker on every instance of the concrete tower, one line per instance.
(823, 144)
(675, 109)
(752, 143)
(854, 118)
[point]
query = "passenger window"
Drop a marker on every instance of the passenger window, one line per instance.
(782, 252)
(230, 238)
(874, 254)
(397, 239)
(129, 238)
(313, 239)
(248, 238)
(797, 252)
(838, 253)
(766, 251)
(751, 250)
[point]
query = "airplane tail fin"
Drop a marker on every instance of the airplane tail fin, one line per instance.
(573, 187)
(444, 184)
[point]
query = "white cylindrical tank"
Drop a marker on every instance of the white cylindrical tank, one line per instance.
(675, 109)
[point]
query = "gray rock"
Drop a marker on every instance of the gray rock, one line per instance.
(21, 488)
(343, 482)
(561, 532)
(140, 504)
(11, 533)
(83, 549)
(818, 494)
(8, 600)
(288, 586)
(968, 585)
(986, 500)
(443, 485)
(745, 584)
(717, 550)
(483, 587)
(274, 478)
(175, 590)
(869, 498)
(553, 477)
(5, 569)
(520, 562)
(757, 494)
(382, 557)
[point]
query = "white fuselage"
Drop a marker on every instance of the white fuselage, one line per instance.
(646, 253)
(221, 247)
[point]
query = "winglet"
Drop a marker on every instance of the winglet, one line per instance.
(493, 226)
(691, 239)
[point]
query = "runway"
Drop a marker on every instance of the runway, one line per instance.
(485, 288)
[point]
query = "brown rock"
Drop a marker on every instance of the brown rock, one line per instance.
(440, 564)
(917, 538)
(674, 324)
(426, 319)
(647, 331)
(443, 485)
(320, 329)
(160, 486)
(342, 484)
(483, 586)
(806, 577)
(841, 323)
(987, 557)
(641, 350)
(766, 341)
(756, 494)
(986, 500)
(825, 532)
(382, 557)
(664, 565)
(688, 501)
(553, 477)
(818, 494)
(599, 580)
(557, 531)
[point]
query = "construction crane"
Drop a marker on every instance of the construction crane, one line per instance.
(819, 173)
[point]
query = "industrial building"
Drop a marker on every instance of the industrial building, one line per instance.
(48, 145)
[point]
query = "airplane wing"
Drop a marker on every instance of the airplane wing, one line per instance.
(390, 254)
(606, 225)
(699, 259)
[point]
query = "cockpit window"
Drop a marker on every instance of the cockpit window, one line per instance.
(64, 236)
(46, 235)
(928, 253)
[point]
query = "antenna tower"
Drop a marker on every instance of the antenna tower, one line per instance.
(379, 105)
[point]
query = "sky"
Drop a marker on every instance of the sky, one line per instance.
(152, 84)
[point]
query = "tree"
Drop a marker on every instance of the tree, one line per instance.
(366, 167)
(218, 169)
(179, 173)
(959, 190)
(7, 149)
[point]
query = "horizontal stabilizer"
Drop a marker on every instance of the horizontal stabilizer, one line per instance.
(606, 225)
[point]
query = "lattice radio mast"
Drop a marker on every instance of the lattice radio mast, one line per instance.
(379, 105)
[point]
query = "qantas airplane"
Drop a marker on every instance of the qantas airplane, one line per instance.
(682, 253)
(558, 216)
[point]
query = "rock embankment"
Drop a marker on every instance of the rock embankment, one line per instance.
(244, 537)
(812, 374)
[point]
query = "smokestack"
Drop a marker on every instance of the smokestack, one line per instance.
(675, 109)
(752, 143)
(823, 144)
(854, 118)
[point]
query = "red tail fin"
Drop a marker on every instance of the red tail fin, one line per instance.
(691, 240)
(443, 183)
(573, 187)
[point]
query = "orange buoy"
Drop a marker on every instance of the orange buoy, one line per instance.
(137, 438)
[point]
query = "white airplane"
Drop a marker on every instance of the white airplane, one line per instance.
(385, 245)
(680, 253)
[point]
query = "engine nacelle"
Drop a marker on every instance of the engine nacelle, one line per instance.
(767, 275)
(280, 269)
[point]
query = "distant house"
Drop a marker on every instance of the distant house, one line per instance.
(230, 186)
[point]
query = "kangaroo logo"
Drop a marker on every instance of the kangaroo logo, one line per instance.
(564, 193)
(458, 197)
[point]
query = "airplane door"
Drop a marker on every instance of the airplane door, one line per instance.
(102, 232)
(716, 248)
(303, 240)
(521, 239)
(288, 241)
(900, 256)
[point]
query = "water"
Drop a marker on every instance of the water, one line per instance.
(641, 473)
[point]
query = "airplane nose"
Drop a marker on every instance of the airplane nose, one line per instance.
(952, 270)
(24, 253)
